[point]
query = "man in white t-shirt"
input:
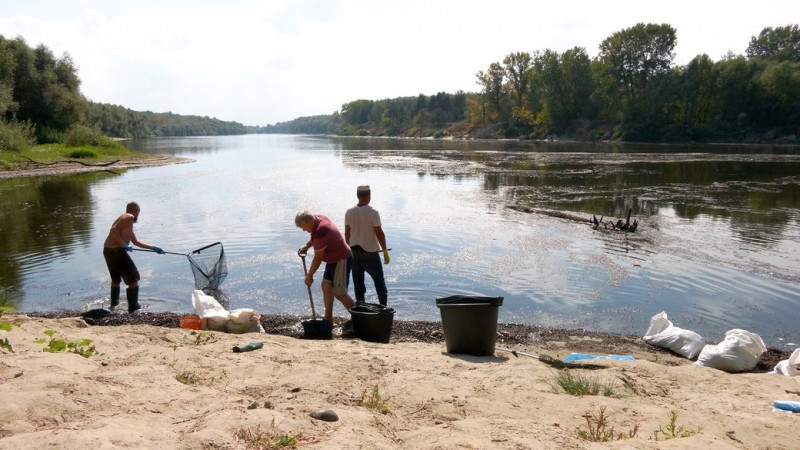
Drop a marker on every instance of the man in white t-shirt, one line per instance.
(364, 235)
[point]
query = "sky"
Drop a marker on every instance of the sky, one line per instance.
(262, 62)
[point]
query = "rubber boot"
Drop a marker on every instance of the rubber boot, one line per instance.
(114, 298)
(133, 299)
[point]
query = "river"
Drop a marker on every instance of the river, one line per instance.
(717, 245)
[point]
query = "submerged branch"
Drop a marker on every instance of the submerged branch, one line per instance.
(70, 161)
(619, 225)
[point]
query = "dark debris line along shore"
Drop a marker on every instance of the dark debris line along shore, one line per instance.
(508, 335)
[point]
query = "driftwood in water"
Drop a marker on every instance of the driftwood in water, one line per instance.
(626, 226)
(558, 214)
(594, 221)
(70, 161)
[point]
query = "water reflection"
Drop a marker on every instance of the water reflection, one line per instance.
(718, 228)
(42, 219)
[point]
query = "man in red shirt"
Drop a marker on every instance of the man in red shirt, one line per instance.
(329, 246)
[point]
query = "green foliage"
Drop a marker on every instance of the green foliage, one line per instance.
(117, 121)
(203, 337)
(270, 439)
(582, 385)
(80, 136)
(5, 345)
(44, 89)
(81, 347)
(636, 55)
(779, 44)
(632, 84)
(81, 154)
(17, 136)
(672, 430)
(599, 429)
(373, 400)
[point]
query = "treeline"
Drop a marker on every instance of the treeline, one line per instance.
(40, 102)
(118, 121)
(630, 91)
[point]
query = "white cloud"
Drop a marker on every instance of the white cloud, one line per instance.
(263, 62)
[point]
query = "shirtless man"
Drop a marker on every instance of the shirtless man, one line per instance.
(120, 265)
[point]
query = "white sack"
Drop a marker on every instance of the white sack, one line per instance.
(208, 307)
(662, 333)
(738, 352)
(244, 320)
(789, 367)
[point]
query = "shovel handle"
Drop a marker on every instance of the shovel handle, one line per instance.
(310, 297)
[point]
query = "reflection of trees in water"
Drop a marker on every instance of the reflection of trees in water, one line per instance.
(757, 198)
(756, 191)
(42, 216)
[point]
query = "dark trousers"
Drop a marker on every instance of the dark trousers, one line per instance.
(369, 262)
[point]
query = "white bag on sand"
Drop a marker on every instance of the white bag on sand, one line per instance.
(789, 367)
(208, 307)
(662, 333)
(739, 352)
(244, 320)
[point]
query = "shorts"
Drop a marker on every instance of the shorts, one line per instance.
(338, 273)
(120, 266)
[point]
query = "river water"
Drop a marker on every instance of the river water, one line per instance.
(717, 245)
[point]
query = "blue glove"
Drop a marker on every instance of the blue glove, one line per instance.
(129, 248)
(157, 249)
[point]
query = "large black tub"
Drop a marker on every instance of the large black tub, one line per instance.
(469, 323)
(372, 322)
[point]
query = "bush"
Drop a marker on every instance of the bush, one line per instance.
(80, 136)
(47, 135)
(81, 154)
(17, 136)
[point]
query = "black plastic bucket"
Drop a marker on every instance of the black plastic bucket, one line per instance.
(372, 322)
(319, 329)
(469, 323)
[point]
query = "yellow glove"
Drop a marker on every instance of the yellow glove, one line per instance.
(386, 258)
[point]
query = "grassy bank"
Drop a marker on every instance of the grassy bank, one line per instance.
(52, 153)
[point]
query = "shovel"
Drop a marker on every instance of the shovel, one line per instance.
(553, 362)
(315, 328)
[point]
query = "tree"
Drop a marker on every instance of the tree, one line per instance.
(738, 91)
(517, 68)
(780, 85)
(45, 90)
(493, 87)
(634, 56)
(548, 81)
(779, 44)
(699, 91)
(578, 83)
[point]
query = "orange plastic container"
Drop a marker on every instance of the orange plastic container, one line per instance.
(192, 322)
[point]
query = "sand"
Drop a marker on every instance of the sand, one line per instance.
(172, 388)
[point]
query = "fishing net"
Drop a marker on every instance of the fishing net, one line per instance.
(209, 267)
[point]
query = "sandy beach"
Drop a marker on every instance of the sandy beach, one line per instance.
(150, 386)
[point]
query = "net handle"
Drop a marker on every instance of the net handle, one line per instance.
(207, 246)
(153, 251)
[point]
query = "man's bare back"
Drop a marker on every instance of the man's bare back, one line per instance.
(121, 231)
